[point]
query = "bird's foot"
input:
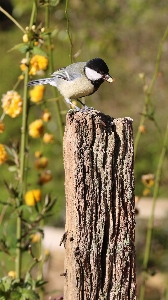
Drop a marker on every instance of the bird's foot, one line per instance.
(84, 108)
(88, 108)
(74, 109)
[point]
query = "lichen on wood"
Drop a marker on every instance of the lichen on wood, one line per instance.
(100, 212)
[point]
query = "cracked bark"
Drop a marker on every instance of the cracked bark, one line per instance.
(100, 212)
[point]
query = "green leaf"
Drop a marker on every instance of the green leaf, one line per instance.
(2, 289)
(47, 32)
(39, 51)
(3, 246)
(9, 150)
(2, 296)
(16, 283)
(24, 207)
(41, 283)
(54, 2)
(10, 189)
(27, 277)
(6, 203)
(54, 32)
(36, 207)
(29, 295)
(13, 168)
(49, 205)
(21, 47)
(48, 215)
(15, 295)
(7, 283)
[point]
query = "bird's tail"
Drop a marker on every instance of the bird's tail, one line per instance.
(39, 82)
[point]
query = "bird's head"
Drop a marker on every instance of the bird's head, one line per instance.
(97, 70)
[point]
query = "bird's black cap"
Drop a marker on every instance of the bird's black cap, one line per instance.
(98, 65)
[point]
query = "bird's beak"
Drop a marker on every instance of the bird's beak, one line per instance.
(108, 78)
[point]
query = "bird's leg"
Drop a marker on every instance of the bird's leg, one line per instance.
(83, 104)
(69, 102)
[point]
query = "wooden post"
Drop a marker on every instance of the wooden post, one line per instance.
(100, 213)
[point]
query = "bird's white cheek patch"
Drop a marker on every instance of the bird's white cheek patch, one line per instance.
(91, 74)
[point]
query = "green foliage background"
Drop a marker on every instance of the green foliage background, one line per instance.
(126, 34)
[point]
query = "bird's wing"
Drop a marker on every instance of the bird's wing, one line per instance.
(71, 72)
(64, 74)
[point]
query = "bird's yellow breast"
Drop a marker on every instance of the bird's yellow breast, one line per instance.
(77, 88)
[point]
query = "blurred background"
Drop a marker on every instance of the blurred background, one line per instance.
(127, 35)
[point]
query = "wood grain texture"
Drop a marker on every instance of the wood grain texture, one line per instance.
(100, 211)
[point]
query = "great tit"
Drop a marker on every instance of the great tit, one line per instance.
(78, 79)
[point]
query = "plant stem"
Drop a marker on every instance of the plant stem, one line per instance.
(151, 219)
(41, 263)
(24, 114)
(51, 69)
(12, 19)
(18, 247)
(149, 92)
(68, 31)
(22, 172)
(33, 14)
(23, 130)
(18, 264)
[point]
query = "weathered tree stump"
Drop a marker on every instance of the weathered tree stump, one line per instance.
(100, 212)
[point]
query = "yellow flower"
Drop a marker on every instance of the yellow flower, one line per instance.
(146, 192)
(38, 154)
(148, 180)
(32, 196)
(141, 75)
(46, 116)
(35, 237)
(36, 43)
(21, 77)
(45, 177)
(3, 154)
(36, 128)
(37, 195)
(23, 64)
(41, 162)
(142, 128)
(12, 104)
(48, 138)
(12, 274)
(25, 38)
(23, 67)
(38, 62)
(33, 70)
(2, 127)
(46, 254)
(37, 93)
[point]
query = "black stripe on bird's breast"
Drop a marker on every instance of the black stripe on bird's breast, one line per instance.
(97, 83)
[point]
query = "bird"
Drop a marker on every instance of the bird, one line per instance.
(78, 80)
